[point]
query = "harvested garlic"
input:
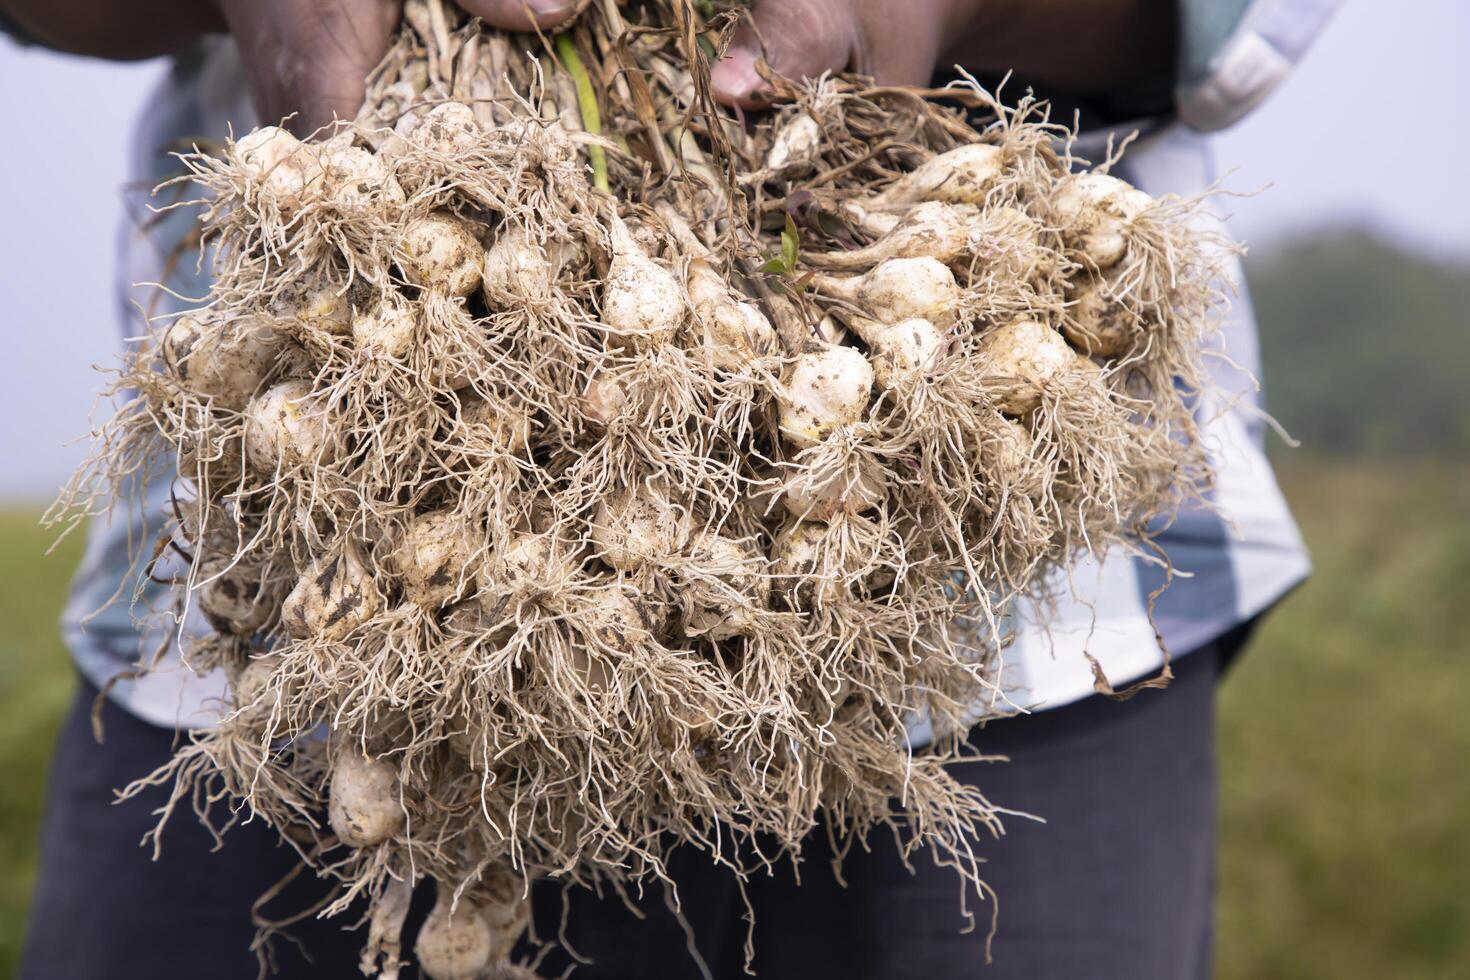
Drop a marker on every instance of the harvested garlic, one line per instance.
(963, 175)
(643, 305)
(456, 941)
(795, 143)
(249, 685)
(519, 269)
(496, 426)
(363, 807)
(1008, 455)
(223, 360)
(286, 171)
(947, 232)
(449, 128)
(637, 525)
(605, 400)
(334, 596)
(433, 559)
(735, 331)
(322, 308)
(1027, 355)
(809, 494)
(825, 390)
(1100, 325)
(353, 176)
(897, 289)
(440, 252)
(284, 427)
(722, 608)
(1095, 211)
(234, 602)
(900, 352)
(388, 328)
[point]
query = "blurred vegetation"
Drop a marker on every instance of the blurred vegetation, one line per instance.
(1344, 738)
(1343, 733)
(1365, 346)
(35, 687)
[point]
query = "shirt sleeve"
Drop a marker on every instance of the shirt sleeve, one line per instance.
(1233, 53)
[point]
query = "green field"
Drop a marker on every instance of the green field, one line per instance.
(1344, 737)
(35, 684)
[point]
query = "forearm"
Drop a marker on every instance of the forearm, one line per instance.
(1083, 47)
(116, 29)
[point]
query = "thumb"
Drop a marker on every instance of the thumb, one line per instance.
(523, 15)
(798, 38)
(309, 58)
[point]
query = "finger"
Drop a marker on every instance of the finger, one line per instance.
(521, 15)
(318, 92)
(347, 47)
(309, 59)
(325, 105)
(797, 38)
(899, 49)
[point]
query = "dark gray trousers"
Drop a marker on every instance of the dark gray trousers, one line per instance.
(1117, 884)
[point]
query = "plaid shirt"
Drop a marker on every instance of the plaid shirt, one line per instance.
(1233, 560)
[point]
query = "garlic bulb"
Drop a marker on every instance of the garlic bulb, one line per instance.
(285, 428)
(519, 269)
(605, 400)
(455, 942)
(636, 525)
(433, 559)
(722, 609)
(353, 176)
(1095, 211)
(440, 252)
(643, 305)
(322, 307)
(449, 128)
(933, 229)
(813, 495)
(234, 600)
(250, 683)
(363, 807)
(334, 596)
(1027, 355)
(900, 352)
(223, 360)
(1099, 324)
(286, 171)
(963, 175)
(735, 331)
(795, 143)
(898, 289)
(387, 328)
(825, 390)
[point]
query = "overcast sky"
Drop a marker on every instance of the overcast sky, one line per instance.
(1371, 130)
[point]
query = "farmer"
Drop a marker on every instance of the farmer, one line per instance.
(1116, 884)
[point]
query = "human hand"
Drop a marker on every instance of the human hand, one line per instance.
(1080, 46)
(311, 57)
(896, 43)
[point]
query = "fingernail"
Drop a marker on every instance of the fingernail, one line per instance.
(734, 76)
(550, 8)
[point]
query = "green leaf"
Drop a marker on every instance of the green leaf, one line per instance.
(790, 244)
